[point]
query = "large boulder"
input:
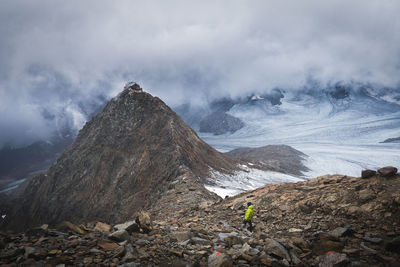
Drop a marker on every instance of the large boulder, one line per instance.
(387, 171)
(273, 247)
(120, 236)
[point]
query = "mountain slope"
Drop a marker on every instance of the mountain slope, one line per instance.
(123, 160)
(327, 221)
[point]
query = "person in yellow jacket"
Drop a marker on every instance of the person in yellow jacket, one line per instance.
(248, 216)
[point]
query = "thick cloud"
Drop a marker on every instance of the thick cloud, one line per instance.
(59, 59)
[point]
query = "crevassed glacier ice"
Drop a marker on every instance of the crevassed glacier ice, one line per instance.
(339, 136)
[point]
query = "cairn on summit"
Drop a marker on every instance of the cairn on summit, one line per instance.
(133, 86)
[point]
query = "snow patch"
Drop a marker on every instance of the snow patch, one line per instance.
(246, 179)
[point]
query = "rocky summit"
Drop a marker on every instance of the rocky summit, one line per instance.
(328, 221)
(135, 154)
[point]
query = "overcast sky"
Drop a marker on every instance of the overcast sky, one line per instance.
(59, 59)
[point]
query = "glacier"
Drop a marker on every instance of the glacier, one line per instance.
(340, 136)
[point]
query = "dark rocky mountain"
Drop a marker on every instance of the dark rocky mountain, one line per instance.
(136, 153)
(220, 122)
(392, 140)
(213, 119)
(279, 158)
(328, 221)
(272, 98)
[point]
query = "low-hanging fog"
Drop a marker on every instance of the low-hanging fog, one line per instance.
(60, 60)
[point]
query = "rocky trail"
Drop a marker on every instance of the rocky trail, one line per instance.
(327, 221)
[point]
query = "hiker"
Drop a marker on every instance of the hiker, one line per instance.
(248, 216)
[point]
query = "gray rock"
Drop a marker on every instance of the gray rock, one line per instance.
(185, 243)
(333, 259)
(273, 247)
(340, 231)
(222, 236)
(200, 241)
(254, 251)
(120, 236)
(181, 236)
(375, 240)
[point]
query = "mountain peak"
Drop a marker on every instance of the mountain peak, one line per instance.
(136, 153)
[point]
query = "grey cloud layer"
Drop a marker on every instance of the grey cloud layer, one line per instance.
(59, 55)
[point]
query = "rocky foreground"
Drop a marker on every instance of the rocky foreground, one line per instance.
(327, 221)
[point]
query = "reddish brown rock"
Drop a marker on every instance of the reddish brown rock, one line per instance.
(387, 171)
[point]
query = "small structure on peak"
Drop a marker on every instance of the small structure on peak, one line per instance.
(133, 86)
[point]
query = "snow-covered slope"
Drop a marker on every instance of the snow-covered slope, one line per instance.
(246, 179)
(340, 132)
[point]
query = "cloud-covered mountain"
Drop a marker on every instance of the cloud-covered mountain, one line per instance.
(60, 61)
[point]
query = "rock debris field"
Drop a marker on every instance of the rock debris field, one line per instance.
(332, 220)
